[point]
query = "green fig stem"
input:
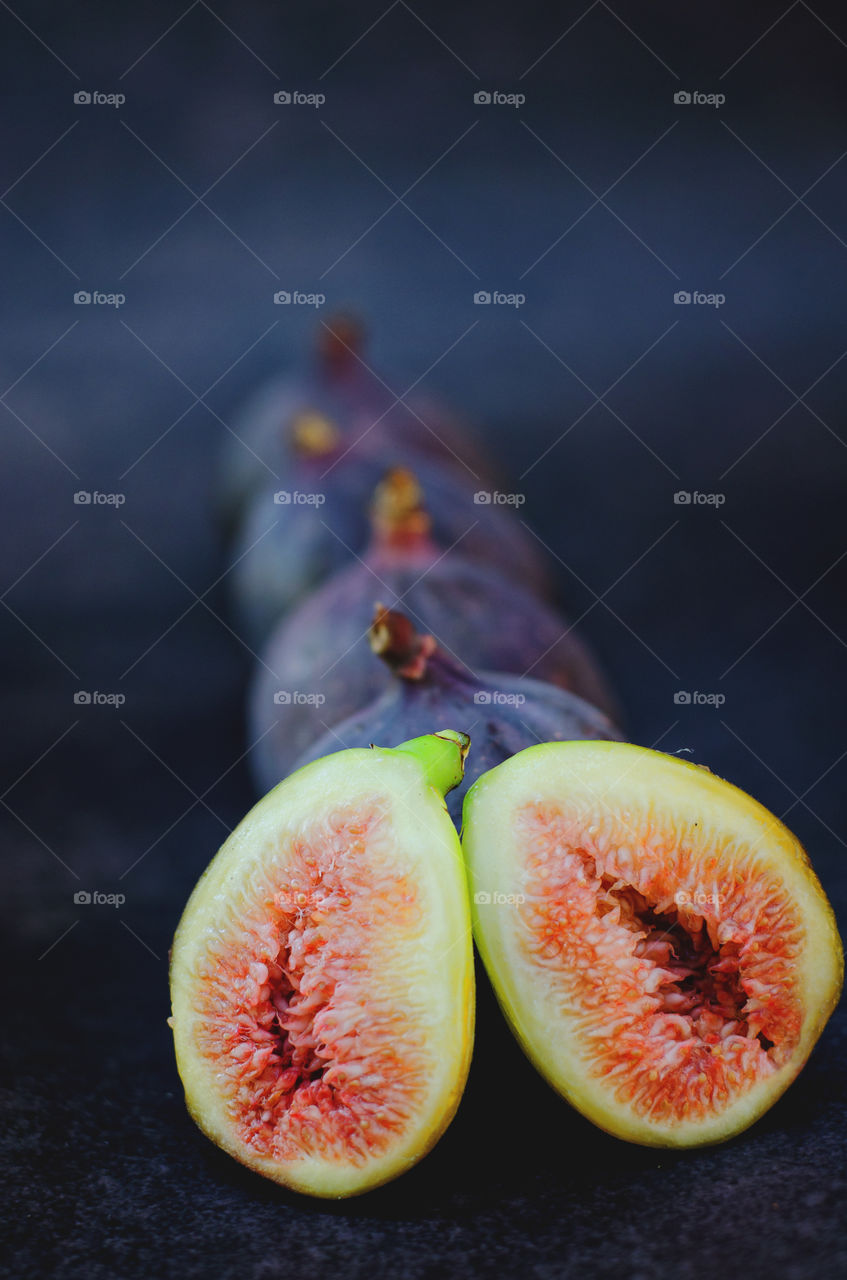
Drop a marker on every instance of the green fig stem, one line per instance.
(441, 756)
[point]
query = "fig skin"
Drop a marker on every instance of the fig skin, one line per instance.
(320, 654)
(285, 550)
(503, 713)
(672, 795)
(339, 386)
(414, 775)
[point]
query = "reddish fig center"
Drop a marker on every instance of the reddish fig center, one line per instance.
(703, 980)
(676, 962)
(304, 1005)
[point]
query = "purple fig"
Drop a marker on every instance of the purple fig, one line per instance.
(292, 540)
(318, 667)
(502, 713)
(340, 388)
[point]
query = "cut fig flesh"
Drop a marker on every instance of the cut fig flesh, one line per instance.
(657, 939)
(322, 975)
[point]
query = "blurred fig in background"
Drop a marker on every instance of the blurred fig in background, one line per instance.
(292, 540)
(339, 385)
(318, 668)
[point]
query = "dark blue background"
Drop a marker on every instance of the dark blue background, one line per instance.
(108, 1175)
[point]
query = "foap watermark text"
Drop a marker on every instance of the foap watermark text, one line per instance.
(297, 298)
(696, 298)
(483, 898)
(696, 898)
(497, 98)
(94, 98)
(94, 498)
(497, 698)
(294, 498)
(689, 498)
(94, 698)
(694, 698)
(494, 498)
(496, 298)
(296, 98)
(96, 298)
(94, 897)
(696, 98)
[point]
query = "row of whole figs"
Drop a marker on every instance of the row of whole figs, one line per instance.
(384, 589)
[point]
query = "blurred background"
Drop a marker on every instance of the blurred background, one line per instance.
(637, 159)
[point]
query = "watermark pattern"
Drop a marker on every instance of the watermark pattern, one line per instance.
(496, 298)
(694, 698)
(94, 498)
(94, 98)
(494, 498)
(296, 698)
(297, 298)
(294, 498)
(697, 898)
(94, 898)
(291, 900)
(94, 698)
(696, 298)
(694, 498)
(497, 98)
(296, 98)
(696, 98)
(96, 298)
(496, 698)
(485, 899)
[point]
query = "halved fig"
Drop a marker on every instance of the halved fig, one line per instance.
(322, 975)
(657, 939)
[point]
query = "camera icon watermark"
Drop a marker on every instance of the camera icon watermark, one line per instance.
(497, 698)
(695, 98)
(294, 498)
(493, 497)
(89, 698)
(96, 298)
(687, 498)
(696, 298)
(496, 98)
(84, 98)
(696, 898)
(94, 898)
(482, 898)
(496, 298)
(295, 98)
(94, 498)
(694, 698)
(296, 698)
(296, 298)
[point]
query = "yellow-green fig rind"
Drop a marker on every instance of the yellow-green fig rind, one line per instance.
(645, 789)
(438, 960)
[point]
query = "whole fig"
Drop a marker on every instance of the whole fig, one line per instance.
(502, 713)
(317, 667)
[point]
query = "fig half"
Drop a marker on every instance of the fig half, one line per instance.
(657, 939)
(322, 973)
